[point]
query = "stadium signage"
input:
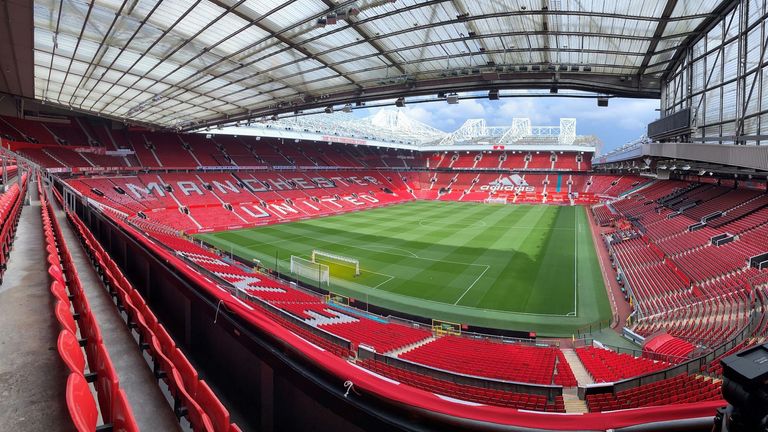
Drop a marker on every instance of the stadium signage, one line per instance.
(283, 209)
(189, 187)
(512, 183)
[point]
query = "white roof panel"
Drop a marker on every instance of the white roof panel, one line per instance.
(207, 59)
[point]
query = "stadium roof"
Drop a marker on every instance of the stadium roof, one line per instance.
(192, 63)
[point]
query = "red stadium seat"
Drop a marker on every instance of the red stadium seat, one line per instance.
(70, 352)
(106, 382)
(187, 372)
(64, 316)
(55, 272)
(166, 341)
(59, 292)
(162, 364)
(82, 407)
(213, 407)
(122, 415)
(197, 418)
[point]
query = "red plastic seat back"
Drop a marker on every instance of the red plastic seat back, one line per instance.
(213, 407)
(59, 292)
(186, 370)
(197, 418)
(64, 316)
(106, 382)
(90, 331)
(165, 339)
(70, 352)
(82, 407)
(55, 272)
(122, 415)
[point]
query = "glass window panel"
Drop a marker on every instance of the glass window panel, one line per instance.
(698, 77)
(712, 108)
(729, 101)
(731, 60)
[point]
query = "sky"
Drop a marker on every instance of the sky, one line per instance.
(622, 121)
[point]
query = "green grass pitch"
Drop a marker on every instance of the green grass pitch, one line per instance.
(522, 267)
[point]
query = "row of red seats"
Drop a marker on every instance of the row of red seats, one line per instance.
(687, 241)
(722, 203)
(677, 390)
(113, 408)
(608, 366)
(192, 397)
(10, 170)
(603, 215)
(466, 392)
(10, 211)
(485, 358)
(382, 337)
(740, 211)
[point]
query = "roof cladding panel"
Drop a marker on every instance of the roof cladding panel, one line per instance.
(208, 59)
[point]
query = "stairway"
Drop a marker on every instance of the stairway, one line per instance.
(413, 346)
(579, 371)
(572, 402)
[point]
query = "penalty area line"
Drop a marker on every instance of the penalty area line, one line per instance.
(473, 284)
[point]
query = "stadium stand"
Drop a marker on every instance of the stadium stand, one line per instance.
(192, 397)
(691, 291)
(10, 211)
(608, 366)
(484, 358)
(465, 392)
(67, 291)
(678, 390)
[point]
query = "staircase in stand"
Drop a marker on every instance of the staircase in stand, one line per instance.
(572, 402)
(579, 371)
(413, 346)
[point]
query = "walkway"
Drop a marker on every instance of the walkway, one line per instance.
(32, 377)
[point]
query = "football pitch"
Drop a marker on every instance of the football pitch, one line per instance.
(521, 267)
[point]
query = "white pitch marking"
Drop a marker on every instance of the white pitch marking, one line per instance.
(473, 284)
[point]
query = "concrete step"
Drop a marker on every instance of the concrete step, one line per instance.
(572, 402)
(579, 371)
(413, 346)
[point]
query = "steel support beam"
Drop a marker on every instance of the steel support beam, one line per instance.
(660, 28)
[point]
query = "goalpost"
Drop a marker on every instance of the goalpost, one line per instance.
(310, 269)
(337, 259)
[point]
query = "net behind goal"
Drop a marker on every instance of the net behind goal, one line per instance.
(310, 270)
(337, 260)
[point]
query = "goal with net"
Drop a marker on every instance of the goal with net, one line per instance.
(310, 270)
(336, 260)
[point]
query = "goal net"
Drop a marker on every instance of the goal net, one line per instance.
(496, 200)
(336, 261)
(310, 270)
